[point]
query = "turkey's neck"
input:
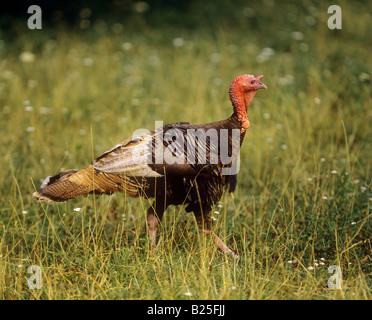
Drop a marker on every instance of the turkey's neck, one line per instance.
(241, 101)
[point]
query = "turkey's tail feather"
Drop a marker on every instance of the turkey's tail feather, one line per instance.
(71, 184)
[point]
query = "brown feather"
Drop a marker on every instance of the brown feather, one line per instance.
(65, 186)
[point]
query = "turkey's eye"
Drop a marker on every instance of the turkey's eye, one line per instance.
(253, 81)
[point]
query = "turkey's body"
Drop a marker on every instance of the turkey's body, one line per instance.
(177, 164)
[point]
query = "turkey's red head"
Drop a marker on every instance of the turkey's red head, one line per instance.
(247, 82)
(242, 91)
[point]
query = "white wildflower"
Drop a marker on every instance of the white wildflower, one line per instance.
(141, 6)
(27, 57)
(217, 81)
(45, 110)
(126, 46)
(77, 209)
(304, 47)
(215, 57)
(265, 55)
(178, 42)
(261, 58)
(88, 62)
(364, 77)
(287, 79)
(297, 35)
(135, 102)
(268, 51)
(266, 115)
(153, 60)
(279, 126)
(310, 20)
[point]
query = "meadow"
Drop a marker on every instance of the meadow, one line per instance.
(302, 205)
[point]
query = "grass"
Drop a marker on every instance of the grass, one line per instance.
(304, 188)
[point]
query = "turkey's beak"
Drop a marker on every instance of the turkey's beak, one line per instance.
(260, 85)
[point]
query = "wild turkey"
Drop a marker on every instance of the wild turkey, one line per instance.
(179, 163)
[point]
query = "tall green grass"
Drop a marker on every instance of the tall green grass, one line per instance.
(304, 191)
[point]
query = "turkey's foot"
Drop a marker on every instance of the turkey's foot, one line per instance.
(220, 244)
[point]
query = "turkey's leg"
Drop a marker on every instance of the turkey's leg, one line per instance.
(152, 222)
(204, 226)
(154, 215)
